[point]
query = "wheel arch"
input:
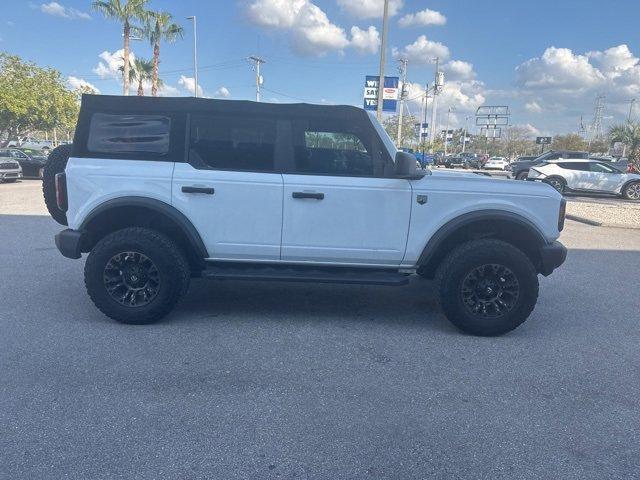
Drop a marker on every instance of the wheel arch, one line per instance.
(510, 227)
(123, 212)
(627, 183)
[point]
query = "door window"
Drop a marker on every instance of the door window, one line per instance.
(324, 147)
(227, 143)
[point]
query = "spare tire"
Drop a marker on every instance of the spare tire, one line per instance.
(56, 163)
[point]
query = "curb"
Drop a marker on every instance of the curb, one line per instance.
(586, 221)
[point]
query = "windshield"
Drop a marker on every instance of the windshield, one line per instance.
(388, 143)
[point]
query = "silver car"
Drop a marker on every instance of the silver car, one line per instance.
(10, 170)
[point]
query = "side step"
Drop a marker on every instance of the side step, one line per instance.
(295, 273)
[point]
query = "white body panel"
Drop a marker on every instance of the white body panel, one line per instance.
(586, 180)
(242, 220)
(359, 221)
(453, 194)
(93, 181)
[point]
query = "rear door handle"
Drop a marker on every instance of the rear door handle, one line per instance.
(314, 195)
(207, 190)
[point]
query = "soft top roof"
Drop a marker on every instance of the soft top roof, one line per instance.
(135, 104)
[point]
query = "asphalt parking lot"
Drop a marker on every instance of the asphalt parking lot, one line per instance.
(261, 380)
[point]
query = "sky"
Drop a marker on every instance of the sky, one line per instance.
(547, 60)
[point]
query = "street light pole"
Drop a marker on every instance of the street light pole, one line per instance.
(195, 54)
(383, 52)
(446, 132)
(434, 107)
(466, 127)
(403, 73)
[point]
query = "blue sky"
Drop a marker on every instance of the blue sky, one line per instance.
(547, 59)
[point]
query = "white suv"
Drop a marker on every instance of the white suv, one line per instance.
(587, 176)
(158, 190)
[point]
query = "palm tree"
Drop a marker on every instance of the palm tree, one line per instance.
(124, 11)
(159, 26)
(629, 134)
(141, 72)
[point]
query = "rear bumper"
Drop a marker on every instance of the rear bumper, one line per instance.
(552, 256)
(69, 243)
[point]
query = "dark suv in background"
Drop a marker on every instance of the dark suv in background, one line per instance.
(520, 168)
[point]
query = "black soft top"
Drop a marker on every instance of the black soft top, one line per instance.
(141, 105)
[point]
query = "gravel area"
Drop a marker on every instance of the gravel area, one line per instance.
(610, 212)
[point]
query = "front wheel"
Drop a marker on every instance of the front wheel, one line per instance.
(136, 275)
(632, 191)
(556, 183)
(487, 287)
(522, 176)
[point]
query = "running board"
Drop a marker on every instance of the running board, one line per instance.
(294, 273)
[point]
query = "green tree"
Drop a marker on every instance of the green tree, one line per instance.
(516, 140)
(33, 99)
(409, 136)
(571, 141)
(629, 134)
(141, 72)
(159, 26)
(125, 11)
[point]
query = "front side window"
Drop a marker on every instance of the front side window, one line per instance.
(134, 134)
(227, 143)
(327, 148)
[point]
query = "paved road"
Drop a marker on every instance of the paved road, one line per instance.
(261, 381)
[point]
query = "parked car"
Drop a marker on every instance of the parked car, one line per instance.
(10, 170)
(621, 164)
(32, 143)
(587, 176)
(520, 168)
(496, 163)
(471, 160)
(286, 192)
(454, 162)
(31, 162)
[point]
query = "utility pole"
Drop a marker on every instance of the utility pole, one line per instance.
(423, 117)
(195, 54)
(403, 74)
(257, 61)
(633, 101)
(464, 138)
(383, 52)
(446, 132)
(434, 106)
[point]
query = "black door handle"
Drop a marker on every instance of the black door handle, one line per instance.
(207, 190)
(314, 195)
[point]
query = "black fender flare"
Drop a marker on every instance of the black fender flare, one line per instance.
(438, 239)
(158, 206)
(627, 183)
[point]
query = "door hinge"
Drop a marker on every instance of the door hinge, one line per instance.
(422, 199)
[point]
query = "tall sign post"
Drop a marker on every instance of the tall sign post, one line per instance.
(389, 93)
(491, 119)
(383, 52)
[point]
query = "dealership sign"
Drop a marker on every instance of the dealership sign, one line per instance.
(389, 93)
(544, 140)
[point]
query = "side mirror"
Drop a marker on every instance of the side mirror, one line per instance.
(406, 166)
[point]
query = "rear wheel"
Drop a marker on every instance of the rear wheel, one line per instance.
(632, 191)
(56, 163)
(557, 183)
(136, 275)
(487, 287)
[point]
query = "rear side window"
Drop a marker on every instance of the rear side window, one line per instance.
(228, 143)
(579, 166)
(134, 134)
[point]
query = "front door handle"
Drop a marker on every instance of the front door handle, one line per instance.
(314, 195)
(189, 189)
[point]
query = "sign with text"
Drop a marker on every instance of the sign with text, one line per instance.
(389, 93)
(544, 140)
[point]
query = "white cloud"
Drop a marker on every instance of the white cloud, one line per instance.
(527, 129)
(166, 91)
(424, 18)
(311, 32)
(222, 92)
(81, 84)
(110, 63)
(459, 70)
(422, 51)
(533, 107)
(188, 83)
(369, 8)
(365, 41)
(57, 10)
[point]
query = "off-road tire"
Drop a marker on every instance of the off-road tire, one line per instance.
(629, 191)
(465, 259)
(56, 163)
(9, 180)
(171, 264)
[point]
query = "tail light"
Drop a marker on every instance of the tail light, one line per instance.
(61, 191)
(562, 214)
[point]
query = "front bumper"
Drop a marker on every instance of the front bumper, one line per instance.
(69, 243)
(10, 174)
(552, 256)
